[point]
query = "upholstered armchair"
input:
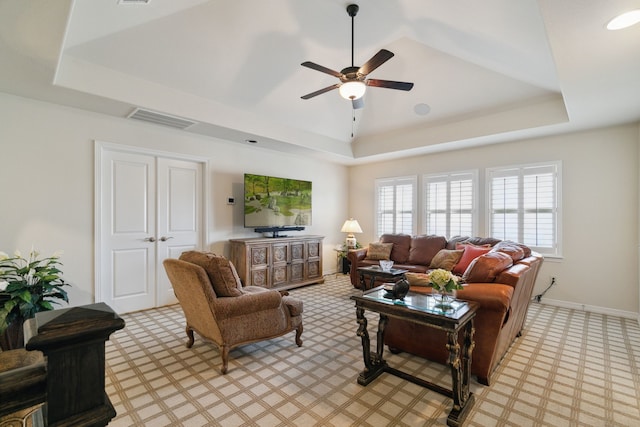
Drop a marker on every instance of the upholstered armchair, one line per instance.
(222, 311)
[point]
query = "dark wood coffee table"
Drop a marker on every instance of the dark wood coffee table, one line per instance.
(421, 309)
(374, 271)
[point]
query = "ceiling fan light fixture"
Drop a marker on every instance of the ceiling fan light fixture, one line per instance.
(624, 20)
(353, 89)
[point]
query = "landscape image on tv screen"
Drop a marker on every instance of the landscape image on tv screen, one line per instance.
(276, 202)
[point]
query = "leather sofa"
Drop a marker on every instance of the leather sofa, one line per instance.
(500, 280)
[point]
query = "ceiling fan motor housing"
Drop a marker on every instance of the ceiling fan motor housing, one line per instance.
(352, 73)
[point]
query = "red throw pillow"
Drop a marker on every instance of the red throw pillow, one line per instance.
(471, 252)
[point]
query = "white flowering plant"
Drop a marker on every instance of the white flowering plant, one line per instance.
(28, 286)
(444, 281)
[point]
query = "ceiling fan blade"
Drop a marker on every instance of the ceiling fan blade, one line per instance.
(321, 91)
(389, 84)
(378, 59)
(320, 68)
(358, 103)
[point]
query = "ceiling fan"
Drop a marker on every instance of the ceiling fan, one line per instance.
(353, 80)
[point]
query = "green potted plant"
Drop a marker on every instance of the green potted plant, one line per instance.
(343, 250)
(27, 286)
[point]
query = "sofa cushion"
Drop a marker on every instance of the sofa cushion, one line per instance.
(482, 241)
(485, 268)
(471, 252)
(378, 251)
(446, 259)
(453, 242)
(424, 248)
(514, 250)
(222, 274)
(401, 246)
(418, 279)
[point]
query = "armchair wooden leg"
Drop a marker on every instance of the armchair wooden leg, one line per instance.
(190, 336)
(224, 353)
(298, 335)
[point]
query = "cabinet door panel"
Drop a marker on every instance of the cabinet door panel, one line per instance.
(259, 256)
(313, 269)
(297, 272)
(259, 277)
(313, 249)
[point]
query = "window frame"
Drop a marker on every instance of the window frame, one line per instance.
(555, 167)
(396, 181)
(448, 178)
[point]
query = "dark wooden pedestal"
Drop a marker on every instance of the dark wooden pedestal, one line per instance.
(73, 340)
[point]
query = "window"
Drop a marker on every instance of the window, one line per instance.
(396, 205)
(524, 205)
(450, 204)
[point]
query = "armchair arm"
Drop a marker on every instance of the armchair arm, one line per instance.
(247, 303)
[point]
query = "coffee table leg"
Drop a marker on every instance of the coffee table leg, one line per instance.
(373, 366)
(363, 285)
(460, 374)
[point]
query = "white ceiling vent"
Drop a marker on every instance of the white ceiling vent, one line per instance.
(133, 1)
(160, 118)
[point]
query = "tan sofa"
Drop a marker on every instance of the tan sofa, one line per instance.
(501, 281)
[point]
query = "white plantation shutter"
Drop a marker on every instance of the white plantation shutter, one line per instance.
(396, 205)
(450, 204)
(524, 205)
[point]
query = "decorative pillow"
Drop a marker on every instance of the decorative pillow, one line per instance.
(222, 274)
(446, 259)
(378, 251)
(512, 249)
(453, 242)
(418, 279)
(485, 268)
(482, 241)
(471, 252)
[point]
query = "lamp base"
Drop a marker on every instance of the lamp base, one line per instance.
(351, 242)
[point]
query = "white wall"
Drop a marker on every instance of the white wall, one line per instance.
(599, 268)
(47, 194)
(47, 183)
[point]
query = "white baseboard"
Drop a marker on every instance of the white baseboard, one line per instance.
(592, 309)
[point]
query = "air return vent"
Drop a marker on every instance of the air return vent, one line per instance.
(133, 1)
(160, 118)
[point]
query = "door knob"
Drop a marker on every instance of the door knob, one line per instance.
(150, 239)
(164, 238)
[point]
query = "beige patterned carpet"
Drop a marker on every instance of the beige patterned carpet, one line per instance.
(570, 368)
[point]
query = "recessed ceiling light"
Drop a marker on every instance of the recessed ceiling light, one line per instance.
(422, 109)
(624, 20)
(251, 141)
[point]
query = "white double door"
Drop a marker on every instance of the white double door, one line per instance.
(150, 208)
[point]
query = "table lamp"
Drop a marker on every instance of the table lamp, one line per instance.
(351, 226)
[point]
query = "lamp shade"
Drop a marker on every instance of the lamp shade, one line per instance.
(353, 89)
(351, 226)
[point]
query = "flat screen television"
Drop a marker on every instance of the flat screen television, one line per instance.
(274, 204)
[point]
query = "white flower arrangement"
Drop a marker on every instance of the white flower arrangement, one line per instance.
(444, 281)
